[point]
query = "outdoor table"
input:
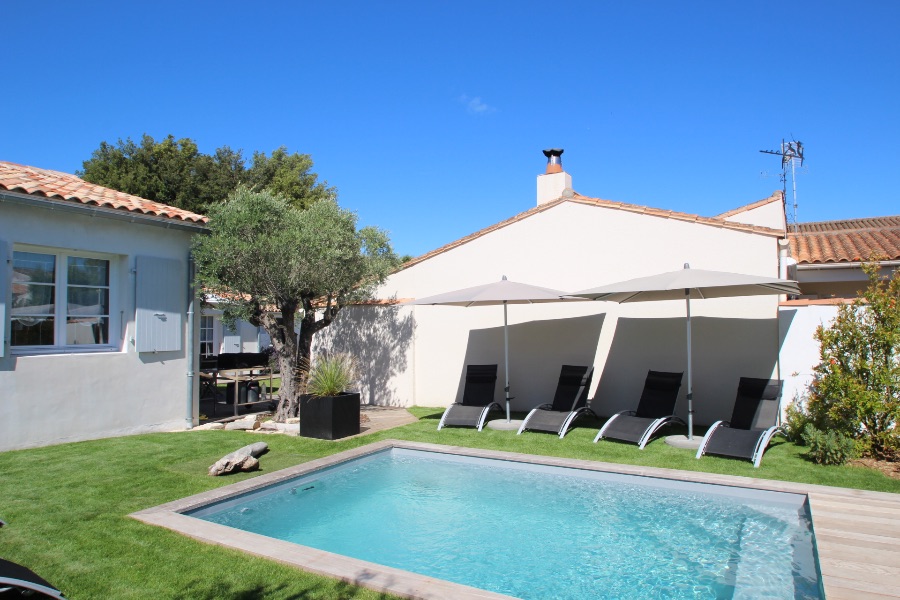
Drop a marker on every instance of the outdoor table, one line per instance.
(239, 376)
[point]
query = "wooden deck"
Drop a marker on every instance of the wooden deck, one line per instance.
(858, 537)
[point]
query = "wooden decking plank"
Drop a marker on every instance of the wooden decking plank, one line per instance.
(841, 589)
(871, 556)
(853, 540)
(825, 524)
(859, 508)
(862, 571)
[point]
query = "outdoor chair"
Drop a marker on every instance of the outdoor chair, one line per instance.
(753, 422)
(477, 400)
(655, 409)
(18, 582)
(569, 403)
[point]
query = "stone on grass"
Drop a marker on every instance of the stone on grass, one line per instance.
(243, 459)
(248, 422)
(209, 426)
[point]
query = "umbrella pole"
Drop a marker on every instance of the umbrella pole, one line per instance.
(506, 358)
(690, 390)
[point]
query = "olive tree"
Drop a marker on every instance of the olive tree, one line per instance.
(279, 266)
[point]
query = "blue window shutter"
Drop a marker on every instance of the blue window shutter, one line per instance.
(161, 294)
(5, 287)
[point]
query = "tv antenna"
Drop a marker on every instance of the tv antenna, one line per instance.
(791, 153)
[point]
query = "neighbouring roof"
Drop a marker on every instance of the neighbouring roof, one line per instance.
(54, 185)
(611, 204)
(848, 240)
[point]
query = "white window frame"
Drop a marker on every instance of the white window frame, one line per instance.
(208, 323)
(61, 304)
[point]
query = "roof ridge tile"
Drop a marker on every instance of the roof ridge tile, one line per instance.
(56, 185)
(581, 199)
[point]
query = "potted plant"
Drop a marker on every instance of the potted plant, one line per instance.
(328, 411)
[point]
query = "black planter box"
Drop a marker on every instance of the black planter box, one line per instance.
(329, 417)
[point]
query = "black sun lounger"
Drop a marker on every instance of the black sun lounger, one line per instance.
(569, 402)
(477, 401)
(753, 422)
(18, 582)
(655, 409)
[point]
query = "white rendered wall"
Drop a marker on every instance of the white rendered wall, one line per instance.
(570, 247)
(550, 186)
(799, 349)
(768, 215)
(56, 398)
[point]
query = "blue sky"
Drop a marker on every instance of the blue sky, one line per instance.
(430, 117)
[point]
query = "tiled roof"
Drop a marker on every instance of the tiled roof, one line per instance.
(850, 240)
(55, 185)
(579, 199)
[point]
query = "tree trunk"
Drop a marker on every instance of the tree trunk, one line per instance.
(295, 356)
(284, 340)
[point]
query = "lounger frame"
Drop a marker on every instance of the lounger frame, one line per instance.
(35, 583)
(757, 411)
(482, 418)
(654, 426)
(477, 398)
(566, 424)
(765, 435)
(572, 413)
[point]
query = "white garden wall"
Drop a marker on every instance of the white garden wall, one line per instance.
(571, 246)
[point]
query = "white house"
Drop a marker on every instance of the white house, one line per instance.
(827, 259)
(416, 355)
(96, 310)
(217, 338)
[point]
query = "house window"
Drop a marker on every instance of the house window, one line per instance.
(59, 299)
(206, 336)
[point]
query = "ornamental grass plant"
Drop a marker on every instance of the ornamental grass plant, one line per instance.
(331, 375)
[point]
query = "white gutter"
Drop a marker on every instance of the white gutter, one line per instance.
(845, 265)
(67, 206)
(190, 349)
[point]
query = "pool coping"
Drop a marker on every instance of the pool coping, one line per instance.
(857, 531)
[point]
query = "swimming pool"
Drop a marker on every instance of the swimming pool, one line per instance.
(538, 530)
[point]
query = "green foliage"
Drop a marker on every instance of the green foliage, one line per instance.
(331, 375)
(288, 175)
(176, 173)
(170, 171)
(270, 262)
(828, 447)
(856, 390)
(796, 418)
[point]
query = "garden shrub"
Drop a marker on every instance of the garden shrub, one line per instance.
(856, 390)
(796, 418)
(828, 447)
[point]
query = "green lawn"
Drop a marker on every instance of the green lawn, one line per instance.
(66, 506)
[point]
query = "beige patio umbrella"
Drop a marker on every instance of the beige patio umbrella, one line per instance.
(689, 284)
(492, 294)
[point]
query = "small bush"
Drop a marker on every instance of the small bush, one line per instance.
(828, 447)
(796, 418)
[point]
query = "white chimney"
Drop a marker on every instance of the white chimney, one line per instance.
(554, 181)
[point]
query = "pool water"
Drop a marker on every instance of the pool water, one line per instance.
(535, 531)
